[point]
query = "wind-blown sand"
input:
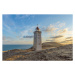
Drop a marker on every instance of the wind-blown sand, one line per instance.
(59, 53)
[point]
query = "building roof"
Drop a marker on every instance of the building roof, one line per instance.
(37, 28)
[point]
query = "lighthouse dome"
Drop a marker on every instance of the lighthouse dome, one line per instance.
(37, 29)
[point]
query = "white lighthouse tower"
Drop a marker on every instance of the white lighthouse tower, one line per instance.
(37, 39)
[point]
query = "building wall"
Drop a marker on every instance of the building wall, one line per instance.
(37, 41)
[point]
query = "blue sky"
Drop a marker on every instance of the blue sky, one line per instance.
(16, 26)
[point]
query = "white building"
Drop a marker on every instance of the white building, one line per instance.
(37, 40)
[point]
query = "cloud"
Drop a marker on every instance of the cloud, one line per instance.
(28, 36)
(7, 27)
(58, 36)
(53, 27)
(17, 36)
(7, 38)
(18, 42)
(68, 40)
(24, 32)
(31, 31)
(61, 39)
(4, 38)
(8, 20)
(27, 32)
(50, 28)
(60, 24)
(64, 32)
(10, 40)
(22, 16)
(50, 40)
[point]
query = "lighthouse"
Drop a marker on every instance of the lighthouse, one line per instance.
(37, 39)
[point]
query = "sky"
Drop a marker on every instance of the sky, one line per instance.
(19, 28)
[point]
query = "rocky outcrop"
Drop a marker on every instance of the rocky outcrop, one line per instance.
(58, 53)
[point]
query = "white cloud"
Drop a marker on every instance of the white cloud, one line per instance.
(18, 42)
(64, 32)
(53, 27)
(58, 38)
(61, 24)
(50, 28)
(24, 32)
(22, 16)
(68, 40)
(61, 39)
(7, 38)
(58, 22)
(27, 32)
(7, 27)
(4, 38)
